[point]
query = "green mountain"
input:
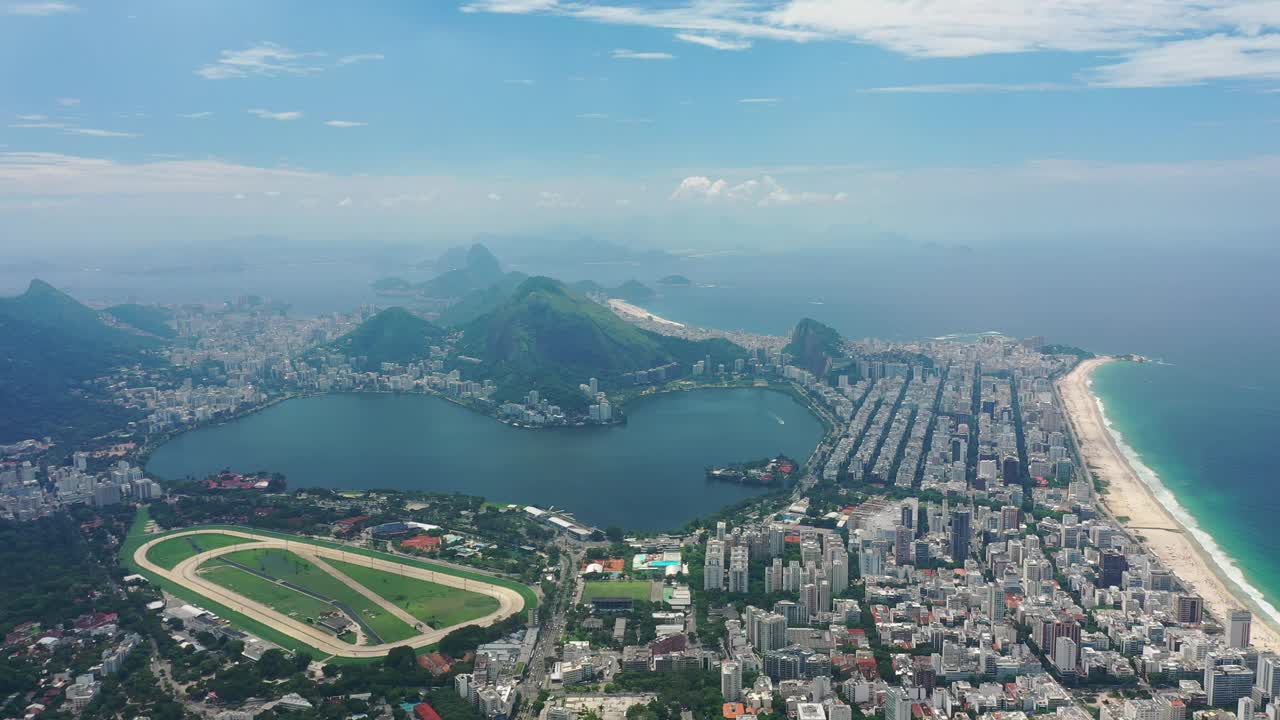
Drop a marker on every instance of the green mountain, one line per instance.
(480, 270)
(147, 318)
(589, 287)
(478, 302)
(676, 280)
(814, 346)
(394, 335)
(548, 337)
(633, 291)
(51, 349)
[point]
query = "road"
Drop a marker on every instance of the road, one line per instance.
(551, 633)
(184, 574)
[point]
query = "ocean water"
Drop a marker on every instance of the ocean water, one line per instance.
(1202, 425)
(1205, 423)
(1205, 447)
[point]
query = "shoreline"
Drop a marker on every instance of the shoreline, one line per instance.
(1155, 522)
(785, 388)
(635, 312)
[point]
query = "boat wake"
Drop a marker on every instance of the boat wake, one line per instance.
(780, 420)
(1169, 501)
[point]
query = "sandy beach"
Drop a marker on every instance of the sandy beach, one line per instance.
(626, 309)
(1129, 497)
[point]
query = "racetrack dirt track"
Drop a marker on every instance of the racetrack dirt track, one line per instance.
(184, 573)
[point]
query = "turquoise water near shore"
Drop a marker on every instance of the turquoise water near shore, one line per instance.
(648, 474)
(1205, 422)
(1214, 476)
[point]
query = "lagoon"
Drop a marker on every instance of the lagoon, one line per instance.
(645, 475)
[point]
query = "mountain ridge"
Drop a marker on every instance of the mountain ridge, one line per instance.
(51, 349)
(393, 335)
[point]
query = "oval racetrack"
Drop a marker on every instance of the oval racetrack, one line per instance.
(185, 574)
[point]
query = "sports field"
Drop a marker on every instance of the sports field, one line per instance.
(290, 602)
(436, 605)
(168, 553)
(637, 590)
(276, 585)
(291, 568)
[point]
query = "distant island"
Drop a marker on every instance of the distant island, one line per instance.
(675, 281)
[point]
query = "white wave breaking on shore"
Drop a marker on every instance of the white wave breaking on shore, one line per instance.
(1170, 503)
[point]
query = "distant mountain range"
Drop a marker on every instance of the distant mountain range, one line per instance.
(147, 318)
(51, 348)
(478, 302)
(546, 336)
(559, 250)
(474, 280)
(394, 335)
(479, 270)
(633, 291)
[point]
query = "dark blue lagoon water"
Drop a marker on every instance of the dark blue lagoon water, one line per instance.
(645, 475)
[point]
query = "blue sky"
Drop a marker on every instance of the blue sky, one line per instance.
(934, 117)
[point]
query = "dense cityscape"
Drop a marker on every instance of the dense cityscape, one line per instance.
(944, 551)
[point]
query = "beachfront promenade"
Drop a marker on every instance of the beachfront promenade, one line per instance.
(1129, 498)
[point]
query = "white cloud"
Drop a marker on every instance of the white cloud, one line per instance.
(59, 174)
(269, 115)
(719, 17)
(763, 191)
(494, 196)
(344, 202)
(965, 88)
(196, 115)
(1197, 60)
(760, 101)
(624, 54)
(69, 129)
(1158, 42)
(96, 132)
(987, 200)
(510, 6)
(519, 81)
(39, 9)
(555, 200)
(68, 102)
(713, 42)
(266, 59)
(593, 116)
(359, 58)
(32, 118)
(345, 123)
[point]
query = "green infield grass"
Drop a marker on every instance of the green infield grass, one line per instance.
(168, 553)
(436, 605)
(284, 565)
